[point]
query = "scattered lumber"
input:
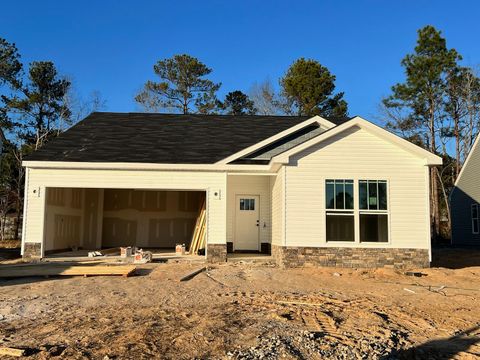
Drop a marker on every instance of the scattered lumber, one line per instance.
(47, 270)
(7, 351)
(199, 233)
(193, 274)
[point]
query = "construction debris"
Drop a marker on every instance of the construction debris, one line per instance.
(415, 273)
(94, 253)
(126, 251)
(47, 270)
(193, 274)
(7, 351)
(180, 249)
(142, 257)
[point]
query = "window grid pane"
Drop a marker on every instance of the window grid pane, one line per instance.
(363, 194)
(330, 194)
(372, 195)
(339, 194)
(475, 219)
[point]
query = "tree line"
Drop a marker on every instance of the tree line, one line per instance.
(437, 106)
(36, 104)
(307, 88)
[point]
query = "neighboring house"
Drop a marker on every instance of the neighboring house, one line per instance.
(465, 200)
(310, 191)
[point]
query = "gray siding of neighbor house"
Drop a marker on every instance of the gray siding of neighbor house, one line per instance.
(466, 193)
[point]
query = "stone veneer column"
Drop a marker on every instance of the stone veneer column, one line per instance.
(216, 253)
(32, 250)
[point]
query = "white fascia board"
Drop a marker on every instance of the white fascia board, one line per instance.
(316, 119)
(146, 166)
(430, 159)
(474, 146)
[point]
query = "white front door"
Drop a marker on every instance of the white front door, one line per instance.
(247, 222)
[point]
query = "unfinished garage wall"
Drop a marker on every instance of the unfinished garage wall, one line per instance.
(63, 218)
(155, 219)
(37, 179)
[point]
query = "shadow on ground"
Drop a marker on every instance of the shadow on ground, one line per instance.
(9, 253)
(445, 348)
(455, 257)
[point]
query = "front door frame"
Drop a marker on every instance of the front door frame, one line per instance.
(237, 196)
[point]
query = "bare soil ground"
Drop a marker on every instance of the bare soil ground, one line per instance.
(247, 311)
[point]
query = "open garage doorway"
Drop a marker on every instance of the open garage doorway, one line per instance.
(83, 220)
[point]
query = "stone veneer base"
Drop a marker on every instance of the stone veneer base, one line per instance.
(32, 250)
(216, 253)
(292, 256)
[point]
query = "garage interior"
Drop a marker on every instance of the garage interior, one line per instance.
(93, 219)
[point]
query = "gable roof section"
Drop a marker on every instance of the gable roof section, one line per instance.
(163, 138)
(430, 158)
(285, 138)
(475, 147)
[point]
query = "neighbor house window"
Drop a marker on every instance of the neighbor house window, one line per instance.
(373, 210)
(475, 219)
(340, 220)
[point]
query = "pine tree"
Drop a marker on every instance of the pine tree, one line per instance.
(182, 85)
(422, 97)
(308, 89)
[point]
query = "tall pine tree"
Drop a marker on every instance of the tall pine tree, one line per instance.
(421, 98)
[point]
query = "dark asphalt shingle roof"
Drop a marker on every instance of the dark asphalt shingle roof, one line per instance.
(162, 138)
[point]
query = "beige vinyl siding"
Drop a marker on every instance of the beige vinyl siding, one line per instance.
(466, 193)
(39, 179)
(249, 185)
(277, 186)
(357, 154)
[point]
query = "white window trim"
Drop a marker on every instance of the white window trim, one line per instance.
(477, 219)
(356, 213)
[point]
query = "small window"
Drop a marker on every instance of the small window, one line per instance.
(475, 219)
(340, 222)
(247, 204)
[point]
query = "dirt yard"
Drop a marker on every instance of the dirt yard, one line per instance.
(247, 311)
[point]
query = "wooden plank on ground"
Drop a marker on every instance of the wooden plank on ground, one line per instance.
(193, 274)
(66, 270)
(6, 351)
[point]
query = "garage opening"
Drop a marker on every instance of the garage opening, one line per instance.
(94, 219)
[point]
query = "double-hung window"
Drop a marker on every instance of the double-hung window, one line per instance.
(373, 210)
(340, 219)
(475, 219)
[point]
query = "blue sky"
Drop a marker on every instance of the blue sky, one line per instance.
(110, 46)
